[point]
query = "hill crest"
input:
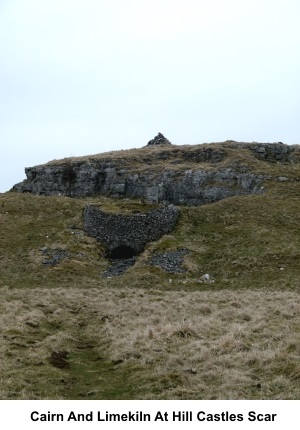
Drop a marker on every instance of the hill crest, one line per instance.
(183, 175)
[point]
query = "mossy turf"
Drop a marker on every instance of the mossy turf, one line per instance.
(245, 241)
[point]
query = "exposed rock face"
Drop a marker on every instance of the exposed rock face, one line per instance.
(126, 235)
(160, 139)
(189, 187)
(193, 175)
(271, 152)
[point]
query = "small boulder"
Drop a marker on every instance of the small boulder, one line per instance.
(206, 279)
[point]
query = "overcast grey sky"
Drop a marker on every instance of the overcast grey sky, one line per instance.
(80, 77)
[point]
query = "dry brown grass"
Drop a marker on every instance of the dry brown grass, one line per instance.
(178, 158)
(156, 159)
(163, 345)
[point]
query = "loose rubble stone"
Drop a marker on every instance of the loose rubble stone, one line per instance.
(169, 261)
(56, 257)
(119, 267)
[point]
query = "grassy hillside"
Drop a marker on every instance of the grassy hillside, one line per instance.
(67, 332)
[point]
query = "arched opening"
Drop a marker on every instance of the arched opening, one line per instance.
(122, 252)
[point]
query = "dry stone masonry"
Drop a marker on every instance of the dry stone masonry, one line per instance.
(160, 139)
(125, 236)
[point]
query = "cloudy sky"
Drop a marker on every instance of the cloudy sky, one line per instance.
(81, 77)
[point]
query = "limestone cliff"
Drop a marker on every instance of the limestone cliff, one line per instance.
(187, 175)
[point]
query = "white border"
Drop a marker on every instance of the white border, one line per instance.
(17, 414)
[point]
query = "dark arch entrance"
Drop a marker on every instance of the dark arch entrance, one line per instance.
(122, 252)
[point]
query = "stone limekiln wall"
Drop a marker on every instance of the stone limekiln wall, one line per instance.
(129, 233)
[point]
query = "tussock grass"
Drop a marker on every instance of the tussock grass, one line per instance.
(150, 344)
(184, 157)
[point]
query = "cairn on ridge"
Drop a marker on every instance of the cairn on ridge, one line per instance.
(160, 139)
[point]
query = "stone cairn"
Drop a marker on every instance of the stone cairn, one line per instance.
(160, 139)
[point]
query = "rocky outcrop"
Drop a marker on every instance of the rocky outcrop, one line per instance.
(271, 152)
(188, 187)
(188, 175)
(125, 236)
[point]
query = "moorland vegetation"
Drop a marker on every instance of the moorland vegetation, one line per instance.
(68, 332)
